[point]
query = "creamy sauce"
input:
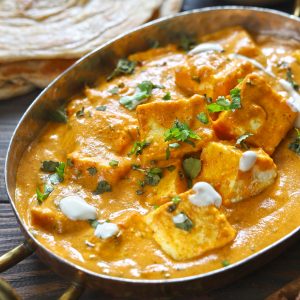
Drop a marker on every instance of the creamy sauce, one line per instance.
(106, 230)
(75, 208)
(293, 101)
(121, 244)
(206, 47)
(247, 161)
(205, 195)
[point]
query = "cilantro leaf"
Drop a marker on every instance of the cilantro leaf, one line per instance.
(241, 140)
(58, 176)
(49, 165)
(203, 118)
(138, 147)
(42, 196)
(114, 90)
(113, 163)
(175, 201)
(191, 167)
(102, 187)
(180, 132)
(223, 104)
(167, 96)
(186, 42)
(80, 113)
(235, 95)
(295, 145)
(290, 79)
(225, 263)
(101, 108)
(94, 223)
(92, 170)
(186, 223)
(143, 92)
(124, 66)
(153, 176)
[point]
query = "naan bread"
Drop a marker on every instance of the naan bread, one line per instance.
(18, 78)
(36, 35)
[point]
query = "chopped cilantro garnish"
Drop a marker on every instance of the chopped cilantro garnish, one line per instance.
(80, 113)
(42, 196)
(167, 96)
(180, 132)
(186, 223)
(138, 147)
(168, 153)
(176, 199)
(49, 165)
(207, 99)
(102, 187)
(222, 103)
(124, 66)
(94, 223)
(143, 92)
(225, 263)
(113, 163)
(290, 79)
(171, 146)
(139, 192)
(203, 118)
(114, 90)
(101, 108)
(70, 163)
(186, 42)
(295, 145)
(54, 178)
(171, 168)
(241, 140)
(153, 176)
(58, 176)
(92, 170)
(59, 115)
(191, 167)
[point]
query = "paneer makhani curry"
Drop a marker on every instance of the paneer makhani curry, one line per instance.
(182, 161)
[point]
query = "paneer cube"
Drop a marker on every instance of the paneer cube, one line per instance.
(157, 117)
(211, 74)
(202, 229)
(133, 231)
(220, 168)
(264, 113)
(172, 183)
(89, 170)
(55, 221)
(104, 130)
(234, 39)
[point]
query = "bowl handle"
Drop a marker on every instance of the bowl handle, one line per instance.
(74, 291)
(7, 261)
(15, 255)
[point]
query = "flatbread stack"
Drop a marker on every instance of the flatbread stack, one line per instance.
(41, 38)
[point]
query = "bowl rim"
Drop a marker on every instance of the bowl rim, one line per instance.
(84, 270)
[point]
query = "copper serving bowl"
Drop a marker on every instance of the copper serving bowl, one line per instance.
(86, 71)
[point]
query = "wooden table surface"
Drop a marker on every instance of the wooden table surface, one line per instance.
(32, 279)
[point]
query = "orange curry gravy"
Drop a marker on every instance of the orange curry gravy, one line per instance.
(96, 145)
